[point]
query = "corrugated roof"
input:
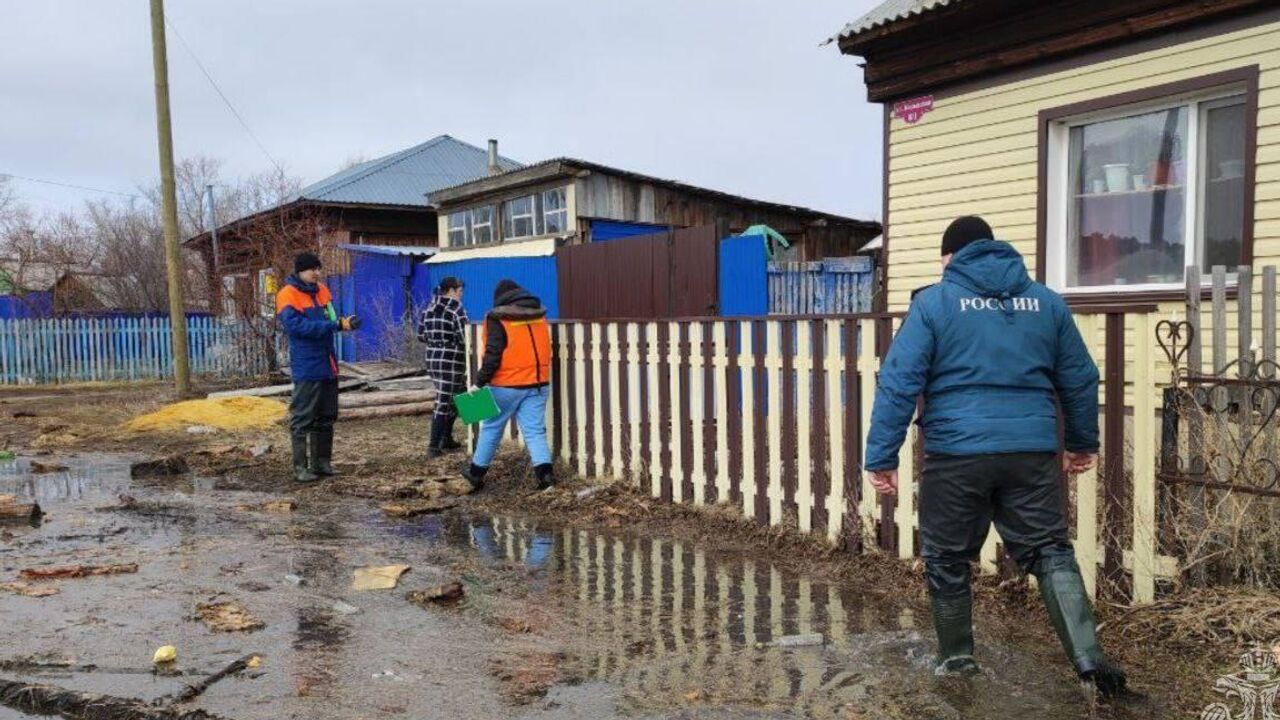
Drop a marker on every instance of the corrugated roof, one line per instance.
(890, 11)
(426, 250)
(405, 177)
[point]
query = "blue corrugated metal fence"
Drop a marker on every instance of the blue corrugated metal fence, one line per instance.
(88, 349)
(831, 286)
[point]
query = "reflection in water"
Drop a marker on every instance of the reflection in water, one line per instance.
(678, 619)
(84, 478)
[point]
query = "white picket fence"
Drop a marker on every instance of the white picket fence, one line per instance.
(91, 349)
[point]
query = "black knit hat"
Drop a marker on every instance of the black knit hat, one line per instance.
(304, 262)
(504, 286)
(964, 230)
(448, 283)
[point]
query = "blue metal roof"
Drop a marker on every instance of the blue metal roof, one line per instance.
(405, 177)
(425, 250)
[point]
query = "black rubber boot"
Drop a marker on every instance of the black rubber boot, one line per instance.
(953, 621)
(545, 474)
(447, 443)
(1063, 592)
(474, 474)
(322, 453)
(301, 468)
(434, 443)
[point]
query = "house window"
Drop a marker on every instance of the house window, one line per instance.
(1137, 194)
(481, 225)
(459, 233)
(518, 218)
(555, 213)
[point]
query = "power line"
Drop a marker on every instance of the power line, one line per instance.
(68, 185)
(222, 95)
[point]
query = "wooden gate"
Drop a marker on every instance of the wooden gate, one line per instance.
(664, 275)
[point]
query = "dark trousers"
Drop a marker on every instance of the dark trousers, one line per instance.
(314, 407)
(960, 496)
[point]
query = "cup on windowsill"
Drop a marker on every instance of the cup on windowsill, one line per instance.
(1140, 182)
(1117, 177)
(1099, 187)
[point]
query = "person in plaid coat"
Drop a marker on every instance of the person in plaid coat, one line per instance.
(442, 326)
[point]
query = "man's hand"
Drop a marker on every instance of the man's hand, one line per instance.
(884, 481)
(1074, 463)
(350, 322)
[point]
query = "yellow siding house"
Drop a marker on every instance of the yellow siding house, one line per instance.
(1114, 143)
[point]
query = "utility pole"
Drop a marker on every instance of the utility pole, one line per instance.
(169, 203)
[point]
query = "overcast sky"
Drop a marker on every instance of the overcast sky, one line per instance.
(735, 95)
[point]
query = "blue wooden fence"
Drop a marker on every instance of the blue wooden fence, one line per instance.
(831, 286)
(88, 349)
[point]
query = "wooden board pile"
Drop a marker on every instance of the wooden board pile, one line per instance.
(366, 392)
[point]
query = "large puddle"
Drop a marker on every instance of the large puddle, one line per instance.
(645, 626)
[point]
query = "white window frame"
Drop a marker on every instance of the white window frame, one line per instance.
(464, 228)
(472, 220)
(1059, 193)
(509, 218)
(562, 211)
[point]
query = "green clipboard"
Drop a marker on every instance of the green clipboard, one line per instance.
(477, 406)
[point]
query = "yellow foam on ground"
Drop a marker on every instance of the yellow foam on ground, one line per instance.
(230, 413)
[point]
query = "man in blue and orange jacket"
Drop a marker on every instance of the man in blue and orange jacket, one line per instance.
(305, 309)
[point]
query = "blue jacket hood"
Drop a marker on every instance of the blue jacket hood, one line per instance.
(990, 268)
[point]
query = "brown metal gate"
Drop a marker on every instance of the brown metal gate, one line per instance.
(664, 275)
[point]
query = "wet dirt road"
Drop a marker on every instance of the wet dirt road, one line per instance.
(557, 622)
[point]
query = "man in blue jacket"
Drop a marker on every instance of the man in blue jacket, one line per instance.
(995, 356)
(305, 309)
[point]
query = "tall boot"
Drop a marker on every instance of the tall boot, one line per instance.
(474, 474)
(447, 443)
(1063, 592)
(301, 468)
(435, 443)
(953, 621)
(322, 453)
(545, 474)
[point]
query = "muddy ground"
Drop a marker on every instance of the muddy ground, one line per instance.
(609, 605)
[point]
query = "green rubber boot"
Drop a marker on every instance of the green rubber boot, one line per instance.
(953, 621)
(1062, 589)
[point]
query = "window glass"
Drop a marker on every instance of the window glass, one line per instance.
(1222, 183)
(1128, 200)
(554, 212)
(458, 234)
(482, 225)
(518, 217)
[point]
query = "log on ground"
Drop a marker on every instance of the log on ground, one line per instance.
(377, 399)
(19, 512)
(420, 408)
(53, 700)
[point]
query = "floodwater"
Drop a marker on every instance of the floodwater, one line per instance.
(609, 625)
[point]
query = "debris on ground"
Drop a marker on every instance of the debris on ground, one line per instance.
(384, 577)
(8, 454)
(227, 617)
(413, 508)
(53, 700)
(279, 507)
(63, 572)
(191, 692)
(343, 608)
(254, 663)
(159, 467)
(230, 413)
(459, 486)
(293, 580)
(11, 510)
(45, 468)
(527, 676)
(29, 590)
(165, 654)
(201, 430)
(786, 641)
(257, 451)
(447, 592)
(585, 493)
